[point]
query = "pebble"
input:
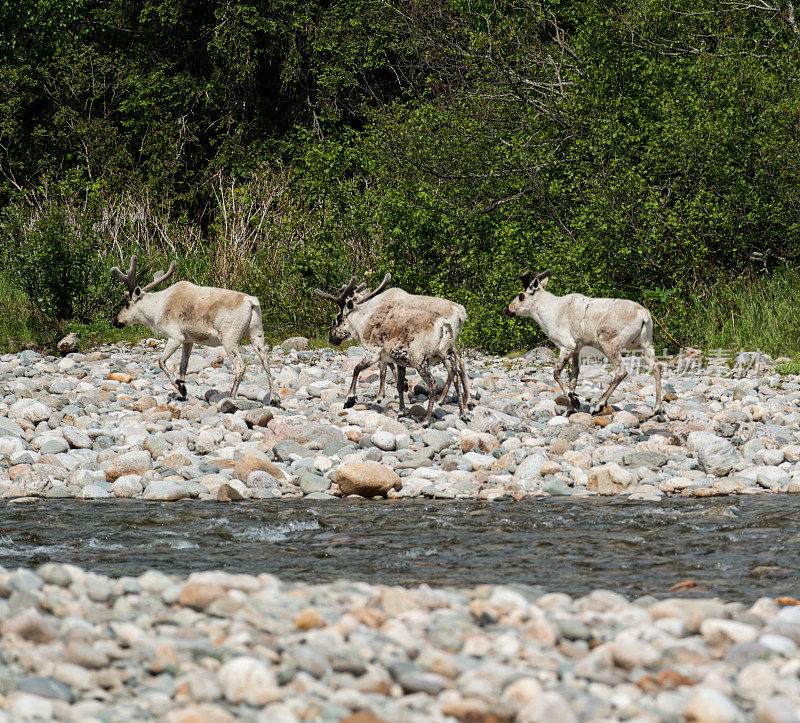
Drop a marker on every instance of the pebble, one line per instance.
(368, 479)
(165, 491)
(221, 646)
(67, 425)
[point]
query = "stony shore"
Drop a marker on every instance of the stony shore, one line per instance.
(106, 424)
(218, 647)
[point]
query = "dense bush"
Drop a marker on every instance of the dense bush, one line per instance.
(54, 256)
(636, 148)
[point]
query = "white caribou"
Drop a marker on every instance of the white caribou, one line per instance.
(574, 321)
(187, 315)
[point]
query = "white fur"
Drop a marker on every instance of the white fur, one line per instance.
(188, 314)
(575, 321)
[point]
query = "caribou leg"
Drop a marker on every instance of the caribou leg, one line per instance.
(382, 387)
(559, 367)
(186, 350)
(460, 378)
(447, 384)
(400, 378)
(573, 380)
(453, 371)
(256, 334)
(237, 363)
(169, 349)
(424, 370)
(463, 376)
(655, 367)
(360, 367)
(614, 354)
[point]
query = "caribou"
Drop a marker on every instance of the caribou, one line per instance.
(187, 315)
(405, 335)
(452, 311)
(575, 321)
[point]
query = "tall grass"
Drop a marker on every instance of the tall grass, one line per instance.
(17, 325)
(261, 239)
(750, 312)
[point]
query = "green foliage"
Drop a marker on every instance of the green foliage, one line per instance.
(637, 149)
(788, 368)
(750, 312)
(17, 327)
(53, 257)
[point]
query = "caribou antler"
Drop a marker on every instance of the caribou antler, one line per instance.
(381, 287)
(526, 278)
(160, 277)
(128, 279)
(343, 294)
(543, 275)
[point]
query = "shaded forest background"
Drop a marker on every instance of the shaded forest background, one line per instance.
(639, 148)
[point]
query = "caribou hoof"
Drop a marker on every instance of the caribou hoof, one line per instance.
(574, 401)
(181, 390)
(349, 402)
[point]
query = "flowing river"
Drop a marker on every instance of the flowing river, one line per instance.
(737, 547)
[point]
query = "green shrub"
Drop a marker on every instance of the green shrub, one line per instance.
(788, 368)
(55, 257)
(750, 312)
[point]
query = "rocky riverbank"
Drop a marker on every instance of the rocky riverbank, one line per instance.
(218, 647)
(106, 424)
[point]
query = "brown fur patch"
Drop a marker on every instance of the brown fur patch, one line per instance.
(201, 305)
(400, 324)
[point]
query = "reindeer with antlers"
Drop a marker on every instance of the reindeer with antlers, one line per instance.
(187, 315)
(574, 321)
(405, 335)
(453, 312)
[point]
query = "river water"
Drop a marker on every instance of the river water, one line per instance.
(738, 547)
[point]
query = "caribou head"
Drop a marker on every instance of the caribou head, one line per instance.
(351, 296)
(531, 283)
(135, 294)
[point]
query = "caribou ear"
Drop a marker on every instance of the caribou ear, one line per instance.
(525, 279)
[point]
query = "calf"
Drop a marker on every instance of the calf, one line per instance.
(452, 311)
(407, 336)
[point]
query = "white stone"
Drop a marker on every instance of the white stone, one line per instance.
(127, 486)
(94, 492)
(165, 491)
(531, 466)
(708, 705)
(716, 631)
(247, 680)
(30, 409)
(384, 440)
(755, 680)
